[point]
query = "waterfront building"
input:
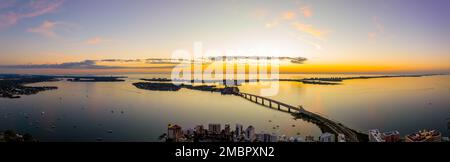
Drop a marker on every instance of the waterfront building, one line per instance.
(250, 133)
(214, 128)
(327, 137)
(199, 130)
(392, 136)
(424, 136)
(309, 139)
(269, 138)
(227, 129)
(296, 139)
(375, 136)
(341, 137)
(174, 133)
(282, 138)
(238, 130)
(189, 132)
(259, 137)
(291, 139)
(299, 139)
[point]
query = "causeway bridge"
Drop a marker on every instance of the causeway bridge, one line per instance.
(324, 123)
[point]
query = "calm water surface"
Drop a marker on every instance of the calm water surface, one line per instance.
(87, 111)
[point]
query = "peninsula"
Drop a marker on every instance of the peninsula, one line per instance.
(12, 86)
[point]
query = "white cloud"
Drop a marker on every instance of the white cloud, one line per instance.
(26, 10)
(47, 29)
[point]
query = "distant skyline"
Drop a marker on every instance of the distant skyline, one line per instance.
(345, 36)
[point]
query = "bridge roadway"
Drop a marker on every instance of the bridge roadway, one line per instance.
(335, 127)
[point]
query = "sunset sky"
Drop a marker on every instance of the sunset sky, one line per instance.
(336, 36)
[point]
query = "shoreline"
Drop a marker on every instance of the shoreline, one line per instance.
(15, 87)
(314, 80)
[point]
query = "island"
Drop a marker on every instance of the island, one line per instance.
(338, 80)
(93, 78)
(172, 87)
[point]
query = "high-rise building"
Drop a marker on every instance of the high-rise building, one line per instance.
(199, 130)
(190, 132)
(273, 138)
(250, 133)
(238, 130)
(227, 129)
(299, 139)
(283, 138)
(267, 137)
(375, 136)
(424, 136)
(259, 137)
(291, 139)
(341, 137)
(309, 139)
(214, 128)
(327, 137)
(174, 133)
(392, 136)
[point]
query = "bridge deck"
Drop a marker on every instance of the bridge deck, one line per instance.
(335, 127)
